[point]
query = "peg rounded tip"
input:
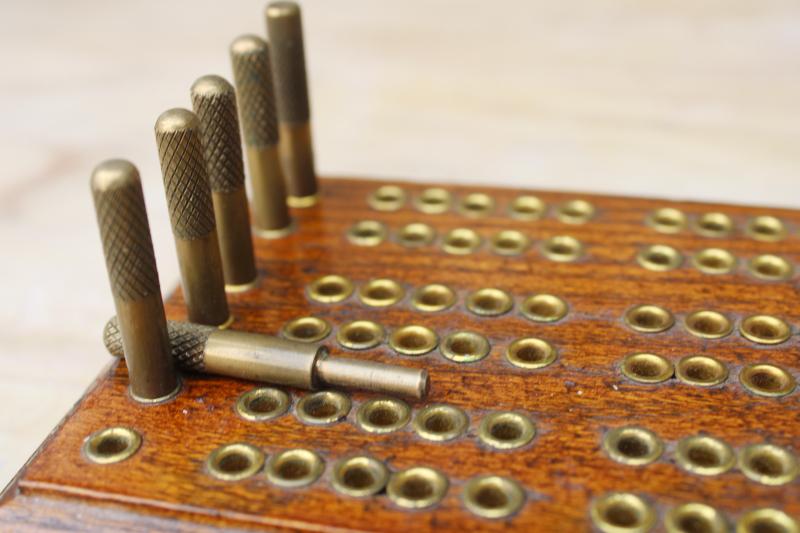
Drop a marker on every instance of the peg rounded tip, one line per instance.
(283, 10)
(174, 120)
(248, 44)
(210, 86)
(114, 174)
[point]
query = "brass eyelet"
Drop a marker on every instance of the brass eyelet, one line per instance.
(666, 220)
(575, 212)
(476, 205)
(531, 353)
(770, 268)
(714, 225)
(111, 445)
(415, 235)
(464, 347)
(647, 368)
(492, 497)
(649, 319)
(417, 488)
(708, 324)
(262, 404)
(544, 308)
(766, 520)
(359, 476)
(527, 207)
(432, 298)
(360, 335)
(704, 455)
(383, 415)
(489, 302)
(562, 249)
(306, 329)
(413, 340)
(323, 408)
(768, 464)
(506, 430)
(765, 329)
(380, 292)
(714, 261)
(330, 289)
(461, 241)
(701, 370)
(510, 242)
(387, 198)
(659, 258)
(433, 201)
(367, 233)
(234, 462)
(767, 380)
(694, 516)
(622, 512)
(766, 228)
(294, 468)
(440, 422)
(632, 445)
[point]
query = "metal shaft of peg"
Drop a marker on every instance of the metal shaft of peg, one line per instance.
(285, 30)
(252, 75)
(192, 214)
(278, 361)
(214, 103)
(131, 264)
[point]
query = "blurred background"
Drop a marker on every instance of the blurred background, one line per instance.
(672, 99)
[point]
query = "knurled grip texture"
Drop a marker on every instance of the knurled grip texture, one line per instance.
(214, 103)
(184, 170)
(285, 29)
(252, 74)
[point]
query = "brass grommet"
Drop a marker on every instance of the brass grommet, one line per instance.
(708, 324)
(476, 205)
(575, 211)
(440, 422)
(233, 462)
(380, 292)
(562, 248)
(323, 407)
(489, 302)
(649, 319)
(387, 198)
(694, 517)
(417, 488)
(659, 258)
(766, 228)
(415, 235)
(509, 242)
(530, 353)
(433, 297)
(413, 340)
(294, 468)
(632, 445)
(527, 207)
(714, 261)
(263, 403)
(666, 220)
(433, 201)
(359, 476)
(360, 335)
(622, 512)
(306, 329)
(647, 368)
(461, 241)
(383, 415)
(367, 233)
(701, 370)
(330, 289)
(506, 430)
(767, 380)
(544, 308)
(111, 445)
(492, 496)
(770, 267)
(768, 464)
(766, 520)
(464, 347)
(704, 455)
(765, 329)
(714, 225)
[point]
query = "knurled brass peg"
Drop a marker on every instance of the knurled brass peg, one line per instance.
(131, 264)
(192, 214)
(252, 73)
(214, 103)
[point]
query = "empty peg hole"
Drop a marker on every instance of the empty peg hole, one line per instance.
(767, 380)
(647, 368)
(562, 248)
(233, 462)
(489, 302)
(575, 211)
(461, 241)
(659, 257)
(465, 347)
(330, 289)
(701, 370)
(440, 422)
(633, 445)
(381, 292)
(766, 228)
(506, 430)
(476, 204)
(111, 445)
(383, 415)
(323, 407)
(295, 468)
(714, 261)
(544, 308)
(667, 220)
(765, 329)
(714, 225)
(649, 318)
(530, 352)
(771, 267)
(527, 208)
(367, 233)
(768, 464)
(413, 340)
(434, 297)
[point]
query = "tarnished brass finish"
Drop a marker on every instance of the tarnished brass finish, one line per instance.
(433, 201)
(461, 241)
(659, 258)
(770, 267)
(330, 289)
(476, 205)
(291, 469)
(111, 445)
(765, 329)
(694, 516)
(262, 404)
(527, 207)
(768, 464)
(618, 512)
(413, 340)
(464, 347)
(253, 78)
(509, 242)
(323, 408)
(666, 220)
(387, 198)
(415, 235)
(704, 455)
(432, 298)
(632, 445)
(767, 380)
(367, 233)
(234, 462)
(766, 228)
(531, 353)
(492, 497)
(380, 292)
(376, 377)
(575, 212)
(562, 248)
(296, 151)
(306, 329)
(506, 430)
(714, 225)
(419, 487)
(214, 103)
(647, 368)
(489, 302)
(440, 422)
(131, 264)
(360, 334)
(708, 324)
(649, 319)
(714, 261)
(544, 308)
(383, 415)
(766, 520)
(359, 476)
(701, 370)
